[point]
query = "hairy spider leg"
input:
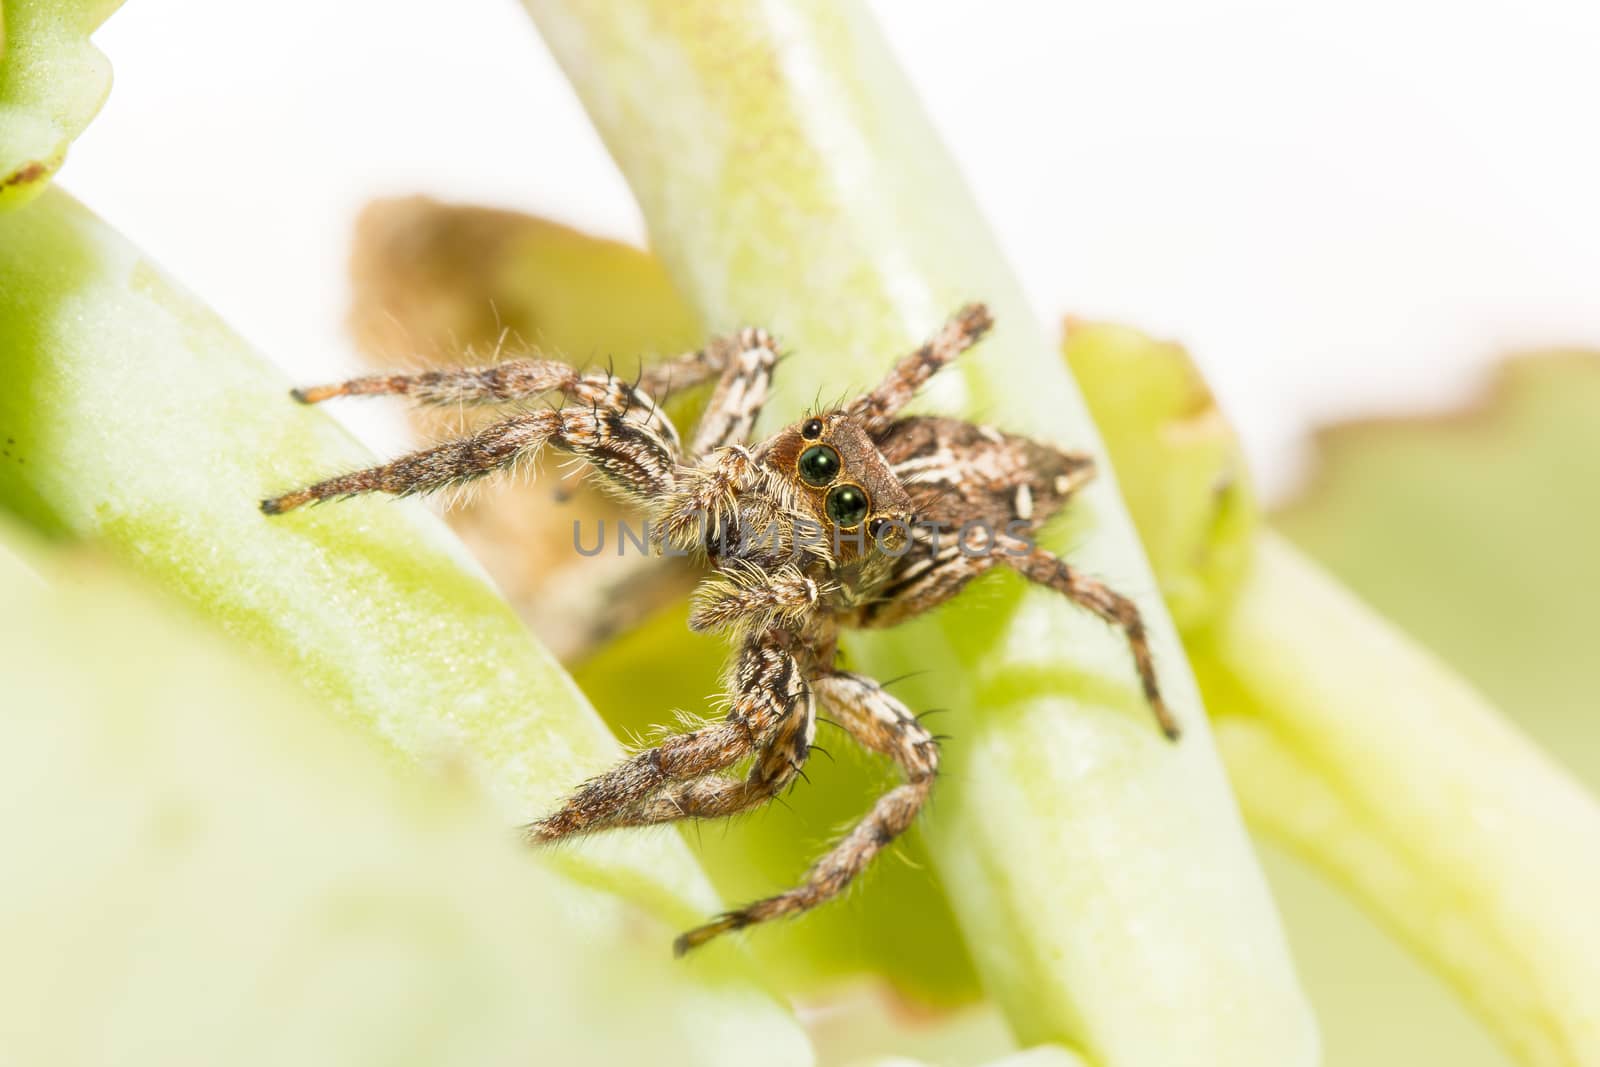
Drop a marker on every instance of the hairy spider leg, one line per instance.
(1050, 570)
(876, 409)
(740, 394)
(771, 717)
(882, 724)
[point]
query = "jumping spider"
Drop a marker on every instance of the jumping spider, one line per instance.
(887, 493)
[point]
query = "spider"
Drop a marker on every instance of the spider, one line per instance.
(854, 516)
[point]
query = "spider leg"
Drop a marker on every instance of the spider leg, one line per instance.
(707, 502)
(779, 758)
(877, 409)
(689, 370)
(770, 700)
(1047, 569)
(637, 457)
(740, 394)
(515, 379)
(746, 595)
(934, 571)
(882, 724)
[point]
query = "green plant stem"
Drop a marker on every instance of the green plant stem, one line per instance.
(1348, 741)
(1375, 762)
(1101, 876)
(204, 867)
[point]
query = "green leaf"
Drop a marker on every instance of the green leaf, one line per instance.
(1368, 756)
(1346, 740)
(1101, 877)
(52, 82)
(1434, 522)
(1427, 519)
(134, 418)
(203, 866)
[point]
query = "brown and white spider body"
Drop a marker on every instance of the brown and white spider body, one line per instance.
(852, 517)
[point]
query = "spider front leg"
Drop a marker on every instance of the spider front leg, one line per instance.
(884, 725)
(513, 379)
(740, 394)
(526, 379)
(771, 715)
(876, 410)
(637, 456)
(1047, 569)
(744, 595)
(689, 370)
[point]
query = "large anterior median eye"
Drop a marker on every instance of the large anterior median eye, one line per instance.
(819, 465)
(847, 505)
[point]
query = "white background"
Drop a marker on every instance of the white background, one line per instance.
(1343, 208)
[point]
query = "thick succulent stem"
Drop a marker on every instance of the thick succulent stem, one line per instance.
(1345, 739)
(1372, 760)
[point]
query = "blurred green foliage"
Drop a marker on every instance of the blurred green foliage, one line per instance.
(1426, 518)
(1348, 742)
(1429, 519)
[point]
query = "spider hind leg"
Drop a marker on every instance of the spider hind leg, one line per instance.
(771, 717)
(882, 724)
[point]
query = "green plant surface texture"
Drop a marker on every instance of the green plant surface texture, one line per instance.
(1368, 756)
(1380, 1003)
(1101, 876)
(52, 83)
(135, 419)
(1428, 521)
(1038, 1056)
(1354, 746)
(204, 867)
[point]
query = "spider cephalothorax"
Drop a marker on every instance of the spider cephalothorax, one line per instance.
(852, 517)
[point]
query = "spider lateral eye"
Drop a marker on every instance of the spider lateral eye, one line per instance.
(819, 465)
(847, 505)
(812, 429)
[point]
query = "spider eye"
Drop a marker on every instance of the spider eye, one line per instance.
(812, 429)
(847, 505)
(819, 465)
